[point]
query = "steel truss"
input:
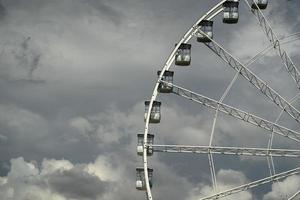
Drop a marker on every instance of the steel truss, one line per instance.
(294, 196)
(258, 83)
(253, 184)
(253, 79)
(234, 112)
(226, 150)
(267, 29)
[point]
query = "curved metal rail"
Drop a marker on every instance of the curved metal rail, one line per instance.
(210, 14)
(189, 34)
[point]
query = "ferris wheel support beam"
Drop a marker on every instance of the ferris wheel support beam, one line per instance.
(253, 184)
(226, 150)
(189, 34)
(267, 29)
(284, 40)
(269, 158)
(295, 195)
(253, 79)
(234, 112)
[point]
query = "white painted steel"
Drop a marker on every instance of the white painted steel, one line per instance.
(261, 85)
(211, 13)
(236, 113)
(269, 158)
(252, 184)
(258, 83)
(296, 195)
(210, 157)
(238, 151)
(269, 32)
(271, 165)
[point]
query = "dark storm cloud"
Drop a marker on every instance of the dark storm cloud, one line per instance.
(25, 59)
(2, 10)
(107, 10)
(77, 184)
(72, 8)
(97, 61)
(287, 12)
(20, 58)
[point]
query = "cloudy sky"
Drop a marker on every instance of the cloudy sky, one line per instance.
(73, 78)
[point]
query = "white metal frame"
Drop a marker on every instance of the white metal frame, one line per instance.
(253, 184)
(235, 112)
(210, 14)
(261, 85)
(226, 150)
(219, 106)
(266, 27)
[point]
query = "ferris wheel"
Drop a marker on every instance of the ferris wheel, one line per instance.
(202, 30)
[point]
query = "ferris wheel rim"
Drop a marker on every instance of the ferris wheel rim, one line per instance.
(186, 38)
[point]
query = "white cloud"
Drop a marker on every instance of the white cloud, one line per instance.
(55, 180)
(51, 166)
(80, 49)
(20, 168)
(227, 179)
(247, 41)
(21, 183)
(284, 189)
(109, 126)
(103, 169)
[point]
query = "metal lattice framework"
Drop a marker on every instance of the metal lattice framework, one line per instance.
(266, 27)
(258, 83)
(241, 70)
(236, 113)
(226, 150)
(253, 184)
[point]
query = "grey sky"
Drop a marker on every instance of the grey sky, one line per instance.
(73, 78)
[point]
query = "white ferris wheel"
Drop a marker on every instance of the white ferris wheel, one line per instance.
(202, 30)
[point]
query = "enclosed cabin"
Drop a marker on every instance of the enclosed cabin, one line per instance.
(140, 178)
(183, 55)
(261, 4)
(231, 11)
(140, 146)
(168, 78)
(155, 112)
(206, 26)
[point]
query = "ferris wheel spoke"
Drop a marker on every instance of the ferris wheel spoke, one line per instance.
(252, 184)
(253, 79)
(270, 160)
(285, 40)
(295, 195)
(287, 61)
(239, 151)
(212, 171)
(228, 7)
(234, 112)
